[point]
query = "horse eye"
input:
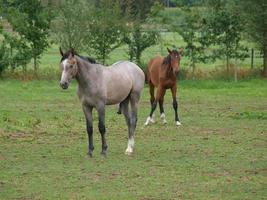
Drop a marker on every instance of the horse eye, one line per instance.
(71, 66)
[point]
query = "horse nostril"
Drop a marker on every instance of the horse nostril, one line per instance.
(64, 85)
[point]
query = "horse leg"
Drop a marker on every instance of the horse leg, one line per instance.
(154, 105)
(175, 105)
(134, 98)
(152, 98)
(119, 109)
(162, 114)
(127, 115)
(89, 127)
(102, 128)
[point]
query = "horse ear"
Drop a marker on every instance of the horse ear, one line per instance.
(72, 52)
(181, 51)
(61, 51)
(169, 50)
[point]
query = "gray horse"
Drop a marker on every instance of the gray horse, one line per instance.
(98, 86)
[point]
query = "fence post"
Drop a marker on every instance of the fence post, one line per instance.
(252, 58)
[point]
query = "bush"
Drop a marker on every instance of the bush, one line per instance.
(3, 58)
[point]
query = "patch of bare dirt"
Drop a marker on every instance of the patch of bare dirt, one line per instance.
(16, 135)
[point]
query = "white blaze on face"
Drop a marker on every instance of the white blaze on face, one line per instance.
(64, 75)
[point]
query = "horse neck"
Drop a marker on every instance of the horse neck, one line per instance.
(83, 73)
(166, 66)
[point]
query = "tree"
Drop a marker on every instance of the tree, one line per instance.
(137, 37)
(19, 51)
(105, 29)
(189, 28)
(254, 12)
(70, 26)
(222, 30)
(138, 40)
(3, 54)
(140, 9)
(31, 21)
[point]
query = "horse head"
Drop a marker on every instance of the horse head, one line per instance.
(174, 59)
(69, 68)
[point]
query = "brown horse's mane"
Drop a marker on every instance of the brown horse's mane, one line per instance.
(167, 60)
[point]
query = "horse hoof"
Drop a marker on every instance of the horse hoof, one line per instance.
(118, 112)
(178, 123)
(104, 154)
(149, 120)
(128, 152)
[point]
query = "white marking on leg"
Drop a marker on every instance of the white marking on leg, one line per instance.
(129, 149)
(153, 118)
(149, 120)
(178, 123)
(163, 117)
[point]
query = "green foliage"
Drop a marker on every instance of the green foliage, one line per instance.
(3, 57)
(222, 29)
(188, 2)
(190, 25)
(138, 40)
(140, 9)
(254, 15)
(31, 21)
(106, 29)
(19, 51)
(70, 26)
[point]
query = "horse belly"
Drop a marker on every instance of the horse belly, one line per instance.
(117, 91)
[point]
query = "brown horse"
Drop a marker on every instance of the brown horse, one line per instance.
(161, 73)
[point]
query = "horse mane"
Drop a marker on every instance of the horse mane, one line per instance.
(86, 58)
(167, 60)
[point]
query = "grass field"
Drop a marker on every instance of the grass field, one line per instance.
(219, 152)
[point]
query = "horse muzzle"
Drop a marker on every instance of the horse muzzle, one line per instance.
(64, 85)
(176, 72)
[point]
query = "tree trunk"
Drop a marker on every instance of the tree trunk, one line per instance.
(12, 60)
(235, 70)
(35, 64)
(227, 65)
(265, 61)
(104, 57)
(252, 59)
(24, 67)
(194, 70)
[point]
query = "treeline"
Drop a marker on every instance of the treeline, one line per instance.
(211, 29)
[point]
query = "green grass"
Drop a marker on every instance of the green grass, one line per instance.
(219, 152)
